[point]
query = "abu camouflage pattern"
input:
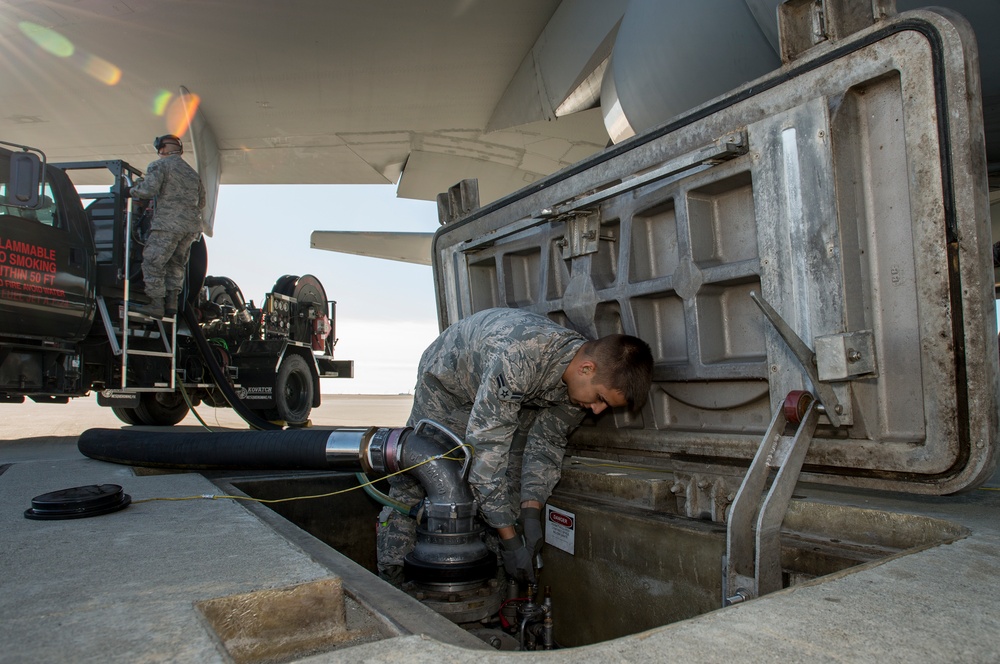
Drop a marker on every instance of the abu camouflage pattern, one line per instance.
(177, 191)
(484, 371)
(179, 197)
(495, 377)
(164, 260)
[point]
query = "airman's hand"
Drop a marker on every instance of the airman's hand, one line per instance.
(517, 559)
(531, 526)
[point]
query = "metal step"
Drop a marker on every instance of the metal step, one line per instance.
(139, 334)
(141, 316)
(149, 353)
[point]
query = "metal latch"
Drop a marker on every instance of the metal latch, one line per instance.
(583, 235)
(805, 357)
(845, 356)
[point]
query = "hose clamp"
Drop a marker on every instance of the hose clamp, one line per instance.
(384, 450)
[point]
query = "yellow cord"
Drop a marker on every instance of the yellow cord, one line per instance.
(210, 496)
(445, 456)
(190, 406)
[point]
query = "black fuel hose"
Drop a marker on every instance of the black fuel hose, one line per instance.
(294, 449)
(250, 417)
(232, 290)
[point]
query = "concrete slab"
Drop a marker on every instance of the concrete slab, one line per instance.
(122, 587)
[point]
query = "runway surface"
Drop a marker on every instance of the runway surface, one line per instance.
(33, 420)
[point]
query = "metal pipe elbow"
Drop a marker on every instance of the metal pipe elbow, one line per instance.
(451, 506)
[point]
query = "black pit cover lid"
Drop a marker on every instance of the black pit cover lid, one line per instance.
(78, 502)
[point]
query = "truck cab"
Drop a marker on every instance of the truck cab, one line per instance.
(47, 285)
(48, 270)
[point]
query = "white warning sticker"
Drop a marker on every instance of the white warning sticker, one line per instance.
(560, 529)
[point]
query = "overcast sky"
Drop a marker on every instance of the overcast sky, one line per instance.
(386, 312)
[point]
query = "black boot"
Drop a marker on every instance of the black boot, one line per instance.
(154, 308)
(170, 303)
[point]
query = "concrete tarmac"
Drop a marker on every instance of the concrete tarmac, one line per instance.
(32, 420)
(126, 586)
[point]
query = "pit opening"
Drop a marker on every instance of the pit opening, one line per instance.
(637, 563)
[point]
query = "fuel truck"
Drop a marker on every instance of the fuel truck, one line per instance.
(70, 267)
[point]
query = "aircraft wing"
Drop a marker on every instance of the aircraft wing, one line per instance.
(405, 247)
(332, 92)
(420, 94)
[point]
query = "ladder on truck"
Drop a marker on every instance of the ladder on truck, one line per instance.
(133, 334)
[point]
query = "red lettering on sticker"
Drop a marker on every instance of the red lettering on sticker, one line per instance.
(561, 519)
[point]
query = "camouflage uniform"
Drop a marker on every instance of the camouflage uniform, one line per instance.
(180, 197)
(495, 376)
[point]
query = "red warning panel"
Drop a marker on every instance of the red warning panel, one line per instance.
(28, 273)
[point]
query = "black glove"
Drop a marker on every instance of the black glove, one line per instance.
(531, 526)
(517, 559)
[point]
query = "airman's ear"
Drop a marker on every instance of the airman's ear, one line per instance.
(587, 367)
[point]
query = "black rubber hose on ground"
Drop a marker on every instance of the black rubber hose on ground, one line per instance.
(295, 449)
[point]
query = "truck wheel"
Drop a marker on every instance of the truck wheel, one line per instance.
(161, 408)
(126, 415)
(293, 390)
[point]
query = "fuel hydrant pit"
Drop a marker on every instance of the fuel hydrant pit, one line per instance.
(632, 568)
(628, 557)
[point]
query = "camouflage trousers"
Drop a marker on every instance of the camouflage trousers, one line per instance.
(396, 534)
(164, 261)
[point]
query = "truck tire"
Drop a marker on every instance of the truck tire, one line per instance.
(293, 390)
(126, 415)
(161, 409)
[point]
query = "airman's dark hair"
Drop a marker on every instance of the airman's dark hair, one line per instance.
(623, 363)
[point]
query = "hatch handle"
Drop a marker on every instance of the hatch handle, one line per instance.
(752, 564)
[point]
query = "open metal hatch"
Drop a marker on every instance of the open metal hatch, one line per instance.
(848, 192)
